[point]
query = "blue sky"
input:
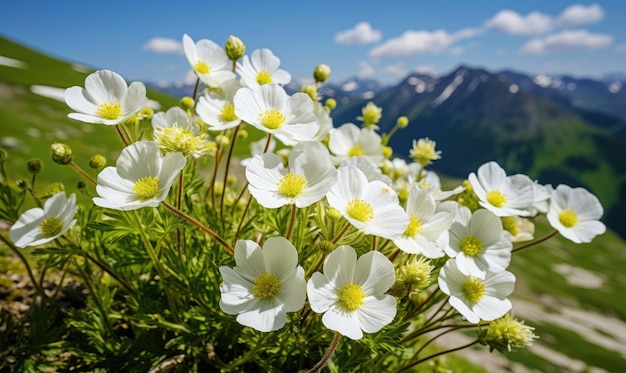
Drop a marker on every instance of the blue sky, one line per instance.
(384, 40)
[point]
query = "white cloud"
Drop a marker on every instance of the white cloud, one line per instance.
(578, 14)
(397, 70)
(163, 45)
(510, 22)
(456, 51)
(567, 40)
(418, 42)
(361, 33)
(365, 69)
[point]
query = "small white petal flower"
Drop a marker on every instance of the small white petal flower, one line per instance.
(216, 108)
(576, 213)
(208, 60)
(265, 284)
(106, 99)
(477, 298)
(175, 132)
(370, 169)
(270, 109)
(38, 226)
(142, 177)
(307, 178)
(262, 69)
(501, 194)
(480, 245)
(372, 207)
(348, 140)
(258, 147)
(350, 292)
(427, 231)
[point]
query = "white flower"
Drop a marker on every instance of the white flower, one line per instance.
(575, 213)
(208, 60)
(372, 208)
(308, 176)
(216, 108)
(480, 244)
(142, 177)
(106, 99)
(38, 226)
(175, 132)
(501, 194)
(423, 151)
(520, 229)
(350, 292)
(270, 109)
(262, 69)
(258, 147)
(427, 231)
(370, 169)
(348, 140)
(265, 285)
(477, 298)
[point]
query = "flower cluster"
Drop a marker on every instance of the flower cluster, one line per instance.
(330, 232)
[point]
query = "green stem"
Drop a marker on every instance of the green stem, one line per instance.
(228, 158)
(331, 350)
(437, 354)
(179, 203)
(292, 219)
(341, 233)
(418, 308)
(110, 272)
(83, 173)
(26, 265)
(193, 221)
(537, 242)
(119, 132)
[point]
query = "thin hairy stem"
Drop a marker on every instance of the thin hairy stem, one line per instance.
(537, 242)
(331, 350)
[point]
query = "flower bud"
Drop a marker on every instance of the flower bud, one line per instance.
(326, 246)
(61, 153)
(146, 113)
(132, 121)
(187, 102)
(242, 134)
(321, 73)
(55, 188)
(331, 103)
(311, 91)
(370, 115)
(416, 273)
(97, 161)
(387, 151)
(507, 334)
(34, 166)
(222, 140)
(333, 213)
(235, 48)
(21, 183)
(402, 122)
(81, 185)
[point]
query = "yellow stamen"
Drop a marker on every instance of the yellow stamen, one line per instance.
(356, 151)
(272, 119)
(291, 185)
(147, 187)
(202, 67)
(473, 289)
(415, 226)
(496, 198)
(228, 113)
(360, 210)
(111, 110)
(568, 218)
(51, 226)
(263, 77)
(351, 297)
(266, 286)
(471, 246)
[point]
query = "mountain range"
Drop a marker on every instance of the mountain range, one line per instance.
(555, 129)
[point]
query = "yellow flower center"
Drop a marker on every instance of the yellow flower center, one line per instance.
(471, 246)
(291, 185)
(263, 77)
(266, 286)
(351, 297)
(568, 218)
(272, 119)
(228, 113)
(473, 289)
(51, 226)
(511, 224)
(360, 210)
(415, 226)
(111, 110)
(496, 198)
(356, 151)
(202, 67)
(147, 187)
(177, 139)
